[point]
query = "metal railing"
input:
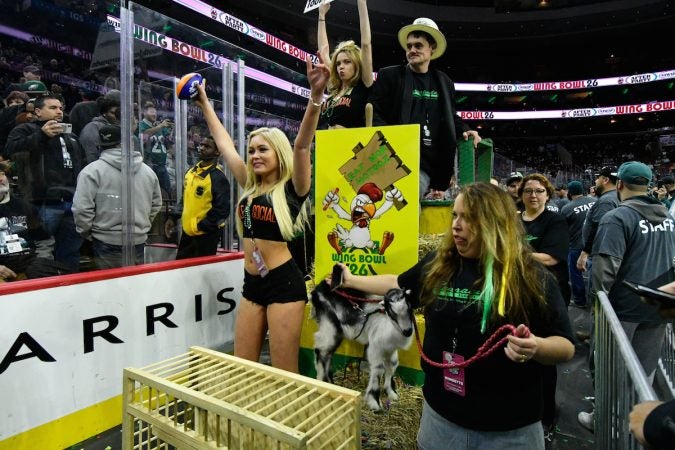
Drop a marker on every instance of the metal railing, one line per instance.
(667, 359)
(620, 381)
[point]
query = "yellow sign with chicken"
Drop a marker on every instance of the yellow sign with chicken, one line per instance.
(366, 199)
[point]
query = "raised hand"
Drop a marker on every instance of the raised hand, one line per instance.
(323, 9)
(317, 75)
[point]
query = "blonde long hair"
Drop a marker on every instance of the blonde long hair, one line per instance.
(511, 280)
(354, 53)
(278, 141)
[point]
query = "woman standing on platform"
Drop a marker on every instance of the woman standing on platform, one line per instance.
(481, 277)
(275, 180)
(351, 74)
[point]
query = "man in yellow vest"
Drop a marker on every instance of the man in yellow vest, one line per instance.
(205, 204)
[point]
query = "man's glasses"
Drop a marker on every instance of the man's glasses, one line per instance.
(534, 191)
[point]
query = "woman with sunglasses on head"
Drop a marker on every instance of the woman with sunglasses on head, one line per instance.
(275, 180)
(482, 277)
(351, 73)
(548, 235)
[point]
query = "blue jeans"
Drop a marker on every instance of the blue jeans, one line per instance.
(163, 177)
(109, 256)
(438, 433)
(576, 278)
(58, 221)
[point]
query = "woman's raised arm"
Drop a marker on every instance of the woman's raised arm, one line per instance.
(221, 137)
(366, 47)
(318, 76)
(322, 35)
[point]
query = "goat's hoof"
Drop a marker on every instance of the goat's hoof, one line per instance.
(374, 406)
(392, 396)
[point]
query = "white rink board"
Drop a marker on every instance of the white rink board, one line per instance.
(67, 322)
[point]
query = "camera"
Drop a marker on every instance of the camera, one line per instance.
(66, 128)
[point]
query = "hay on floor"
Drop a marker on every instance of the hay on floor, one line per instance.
(396, 426)
(427, 243)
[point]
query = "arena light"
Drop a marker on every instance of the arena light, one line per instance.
(279, 44)
(189, 51)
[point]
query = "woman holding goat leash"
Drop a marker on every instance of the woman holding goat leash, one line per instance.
(275, 180)
(481, 278)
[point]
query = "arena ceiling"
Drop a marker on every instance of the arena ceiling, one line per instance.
(482, 20)
(482, 34)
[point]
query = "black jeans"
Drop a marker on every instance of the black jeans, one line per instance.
(200, 245)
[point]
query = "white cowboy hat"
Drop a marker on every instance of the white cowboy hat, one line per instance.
(428, 26)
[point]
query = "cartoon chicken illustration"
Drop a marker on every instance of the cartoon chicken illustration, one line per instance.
(363, 210)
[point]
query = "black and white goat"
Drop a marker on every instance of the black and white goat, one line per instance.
(383, 326)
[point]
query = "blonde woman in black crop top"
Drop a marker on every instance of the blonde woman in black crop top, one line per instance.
(275, 179)
(351, 73)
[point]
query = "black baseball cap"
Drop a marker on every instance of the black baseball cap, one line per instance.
(608, 171)
(110, 135)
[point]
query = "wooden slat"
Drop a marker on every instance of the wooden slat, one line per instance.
(268, 397)
(315, 432)
(254, 421)
(303, 407)
(213, 400)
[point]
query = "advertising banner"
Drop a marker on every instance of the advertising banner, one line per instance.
(62, 349)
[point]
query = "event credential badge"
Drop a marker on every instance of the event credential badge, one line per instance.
(453, 377)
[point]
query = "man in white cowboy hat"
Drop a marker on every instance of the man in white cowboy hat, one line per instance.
(412, 93)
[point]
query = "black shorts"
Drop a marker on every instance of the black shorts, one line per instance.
(283, 284)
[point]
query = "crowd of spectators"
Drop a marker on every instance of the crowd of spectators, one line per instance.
(62, 63)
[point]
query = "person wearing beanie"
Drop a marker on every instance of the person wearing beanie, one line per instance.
(98, 201)
(85, 110)
(575, 214)
(415, 94)
(89, 136)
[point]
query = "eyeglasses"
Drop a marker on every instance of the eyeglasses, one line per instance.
(534, 191)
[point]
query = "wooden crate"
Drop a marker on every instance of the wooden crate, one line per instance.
(206, 399)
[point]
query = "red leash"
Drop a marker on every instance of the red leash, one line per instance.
(342, 293)
(488, 347)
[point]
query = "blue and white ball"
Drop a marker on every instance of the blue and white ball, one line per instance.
(187, 86)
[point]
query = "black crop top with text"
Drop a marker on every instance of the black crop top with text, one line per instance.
(263, 221)
(349, 110)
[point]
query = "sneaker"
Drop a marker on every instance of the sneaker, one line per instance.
(586, 420)
(582, 335)
(549, 431)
